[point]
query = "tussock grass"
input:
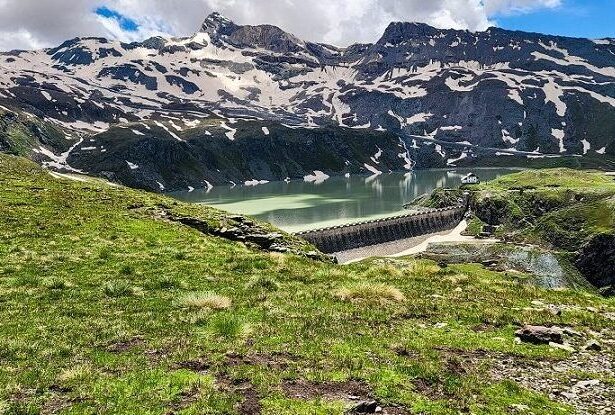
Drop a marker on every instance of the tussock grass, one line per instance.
(262, 282)
(54, 283)
(75, 374)
(120, 288)
(206, 299)
(422, 268)
(228, 326)
(370, 292)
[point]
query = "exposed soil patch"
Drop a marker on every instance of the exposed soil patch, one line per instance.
(156, 355)
(58, 401)
(357, 394)
(57, 404)
(199, 365)
(250, 403)
(125, 345)
(349, 390)
(405, 352)
(278, 361)
(186, 398)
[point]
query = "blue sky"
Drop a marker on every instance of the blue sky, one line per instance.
(124, 22)
(577, 18)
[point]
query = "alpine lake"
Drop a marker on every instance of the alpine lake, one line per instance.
(297, 206)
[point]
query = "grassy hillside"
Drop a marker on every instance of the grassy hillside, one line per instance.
(561, 206)
(109, 305)
(569, 210)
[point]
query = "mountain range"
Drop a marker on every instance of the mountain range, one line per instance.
(236, 104)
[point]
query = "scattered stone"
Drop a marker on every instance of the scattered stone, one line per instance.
(266, 240)
(519, 407)
(593, 346)
(490, 263)
(279, 248)
(564, 346)
(558, 379)
(570, 332)
(556, 311)
(569, 395)
(540, 334)
(587, 383)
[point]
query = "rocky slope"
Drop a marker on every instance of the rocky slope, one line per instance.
(437, 98)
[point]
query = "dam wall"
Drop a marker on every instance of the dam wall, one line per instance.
(358, 235)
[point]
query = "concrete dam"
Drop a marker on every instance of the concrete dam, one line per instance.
(374, 232)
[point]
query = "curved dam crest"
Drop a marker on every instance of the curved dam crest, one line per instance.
(363, 234)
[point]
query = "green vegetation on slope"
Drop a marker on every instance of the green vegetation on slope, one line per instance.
(107, 307)
(560, 207)
(569, 210)
(20, 134)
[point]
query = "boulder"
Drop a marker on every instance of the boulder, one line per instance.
(593, 346)
(540, 334)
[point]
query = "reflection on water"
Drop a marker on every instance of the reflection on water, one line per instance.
(298, 205)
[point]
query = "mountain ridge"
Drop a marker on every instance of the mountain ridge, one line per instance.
(443, 97)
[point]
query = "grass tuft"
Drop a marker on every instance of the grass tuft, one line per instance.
(206, 300)
(227, 325)
(371, 292)
(262, 282)
(56, 283)
(166, 283)
(116, 289)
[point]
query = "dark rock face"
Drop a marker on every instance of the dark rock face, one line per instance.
(214, 159)
(597, 261)
(250, 233)
(493, 210)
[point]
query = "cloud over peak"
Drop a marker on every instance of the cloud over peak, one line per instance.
(36, 23)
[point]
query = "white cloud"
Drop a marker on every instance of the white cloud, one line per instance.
(493, 7)
(37, 23)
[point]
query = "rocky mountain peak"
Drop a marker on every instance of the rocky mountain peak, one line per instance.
(397, 32)
(260, 36)
(217, 24)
